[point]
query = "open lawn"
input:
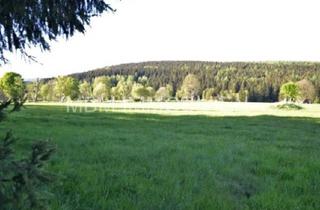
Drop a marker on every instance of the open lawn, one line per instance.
(192, 108)
(118, 160)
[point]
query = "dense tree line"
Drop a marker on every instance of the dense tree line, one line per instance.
(244, 81)
(249, 83)
(119, 87)
(101, 89)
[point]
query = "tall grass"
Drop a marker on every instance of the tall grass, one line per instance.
(147, 161)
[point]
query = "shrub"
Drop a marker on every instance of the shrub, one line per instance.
(289, 106)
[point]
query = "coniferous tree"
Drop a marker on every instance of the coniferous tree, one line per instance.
(25, 23)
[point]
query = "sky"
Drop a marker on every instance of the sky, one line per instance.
(205, 30)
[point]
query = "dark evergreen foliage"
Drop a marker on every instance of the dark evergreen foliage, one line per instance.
(22, 180)
(25, 23)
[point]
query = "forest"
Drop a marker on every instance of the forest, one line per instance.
(223, 81)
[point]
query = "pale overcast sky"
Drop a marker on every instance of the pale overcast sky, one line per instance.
(209, 30)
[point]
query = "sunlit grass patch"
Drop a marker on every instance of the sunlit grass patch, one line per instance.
(113, 160)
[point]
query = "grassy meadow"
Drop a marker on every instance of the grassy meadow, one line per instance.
(207, 159)
(209, 108)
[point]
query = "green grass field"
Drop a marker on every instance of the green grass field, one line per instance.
(115, 160)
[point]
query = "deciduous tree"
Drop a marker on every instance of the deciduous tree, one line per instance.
(12, 86)
(67, 87)
(162, 94)
(33, 90)
(139, 92)
(190, 87)
(102, 88)
(85, 90)
(307, 91)
(289, 91)
(101, 92)
(208, 94)
(47, 91)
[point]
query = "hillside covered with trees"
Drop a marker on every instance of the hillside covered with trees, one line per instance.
(185, 80)
(262, 81)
